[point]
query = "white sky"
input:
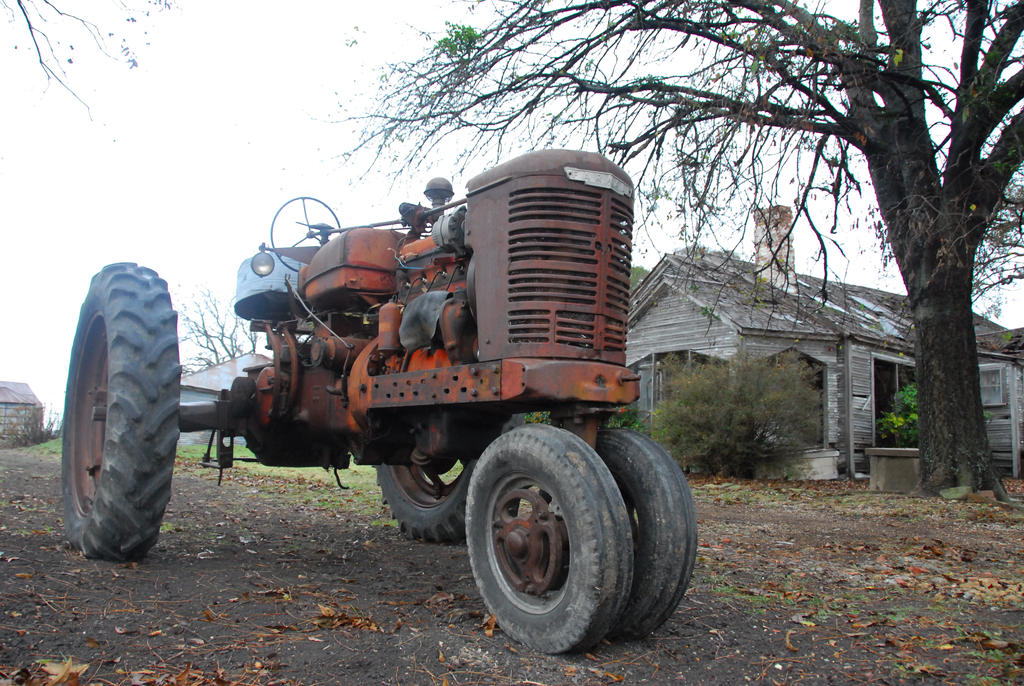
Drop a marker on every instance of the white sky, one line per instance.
(180, 164)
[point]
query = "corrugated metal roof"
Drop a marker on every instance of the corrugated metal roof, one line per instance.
(17, 393)
(221, 375)
(729, 289)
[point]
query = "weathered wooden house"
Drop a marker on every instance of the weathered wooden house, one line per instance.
(858, 339)
(19, 407)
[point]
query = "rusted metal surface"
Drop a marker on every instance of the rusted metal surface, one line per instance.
(458, 328)
(531, 543)
(567, 381)
(416, 248)
(425, 481)
(356, 267)
(266, 392)
(551, 258)
(452, 385)
(388, 322)
(88, 423)
(335, 352)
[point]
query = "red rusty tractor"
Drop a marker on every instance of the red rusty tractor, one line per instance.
(411, 349)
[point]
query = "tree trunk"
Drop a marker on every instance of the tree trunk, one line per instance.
(930, 239)
(951, 429)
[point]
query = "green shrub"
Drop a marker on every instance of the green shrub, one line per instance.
(729, 419)
(899, 427)
(627, 417)
(538, 417)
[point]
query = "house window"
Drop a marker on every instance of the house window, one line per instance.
(992, 389)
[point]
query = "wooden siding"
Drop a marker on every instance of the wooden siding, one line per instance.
(1008, 425)
(860, 361)
(823, 351)
(1017, 390)
(998, 424)
(833, 381)
(677, 323)
(863, 422)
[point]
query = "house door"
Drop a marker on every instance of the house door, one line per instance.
(889, 378)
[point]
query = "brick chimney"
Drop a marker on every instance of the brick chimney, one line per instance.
(773, 247)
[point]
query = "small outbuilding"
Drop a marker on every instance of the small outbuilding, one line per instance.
(19, 408)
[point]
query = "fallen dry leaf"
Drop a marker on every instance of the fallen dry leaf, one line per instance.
(330, 618)
(64, 672)
(995, 644)
(440, 597)
(489, 625)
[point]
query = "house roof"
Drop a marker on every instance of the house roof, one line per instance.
(729, 290)
(221, 375)
(17, 393)
(1008, 342)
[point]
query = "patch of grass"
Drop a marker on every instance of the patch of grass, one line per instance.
(50, 448)
(975, 680)
(311, 487)
(755, 598)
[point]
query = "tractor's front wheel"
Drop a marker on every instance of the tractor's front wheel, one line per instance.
(121, 415)
(664, 524)
(428, 497)
(549, 539)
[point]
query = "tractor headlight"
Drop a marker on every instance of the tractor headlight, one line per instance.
(262, 263)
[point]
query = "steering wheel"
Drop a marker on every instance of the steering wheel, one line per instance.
(314, 214)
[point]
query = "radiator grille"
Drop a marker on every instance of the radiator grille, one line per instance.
(568, 268)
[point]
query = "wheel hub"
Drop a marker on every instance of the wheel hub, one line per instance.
(531, 543)
(88, 423)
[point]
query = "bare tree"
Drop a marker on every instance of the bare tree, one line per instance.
(718, 103)
(52, 28)
(1000, 258)
(211, 332)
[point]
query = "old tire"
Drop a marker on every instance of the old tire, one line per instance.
(429, 500)
(664, 524)
(121, 415)
(549, 539)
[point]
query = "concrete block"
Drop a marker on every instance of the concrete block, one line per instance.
(894, 470)
(956, 493)
(814, 465)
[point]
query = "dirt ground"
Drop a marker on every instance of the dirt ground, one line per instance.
(273, 581)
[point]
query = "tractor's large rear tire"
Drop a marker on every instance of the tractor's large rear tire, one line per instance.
(121, 415)
(549, 539)
(428, 500)
(664, 524)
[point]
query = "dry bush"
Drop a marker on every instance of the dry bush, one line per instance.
(730, 418)
(40, 426)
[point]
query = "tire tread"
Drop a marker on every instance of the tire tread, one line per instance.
(142, 406)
